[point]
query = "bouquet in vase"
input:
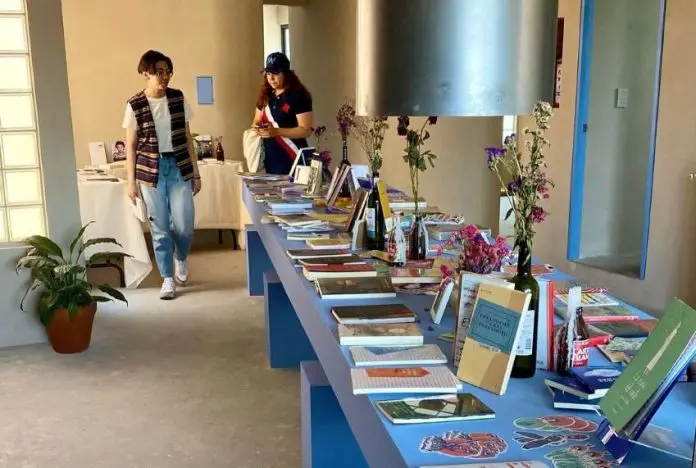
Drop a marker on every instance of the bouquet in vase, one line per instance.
(320, 154)
(524, 178)
(476, 253)
(370, 132)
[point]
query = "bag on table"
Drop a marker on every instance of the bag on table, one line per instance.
(253, 150)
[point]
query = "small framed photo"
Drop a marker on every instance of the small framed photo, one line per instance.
(118, 151)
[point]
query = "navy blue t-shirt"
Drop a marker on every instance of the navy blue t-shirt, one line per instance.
(280, 155)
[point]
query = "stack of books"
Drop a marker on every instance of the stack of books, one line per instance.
(583, 389)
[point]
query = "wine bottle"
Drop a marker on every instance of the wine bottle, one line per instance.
(375, 223)
(345, 188)
(525, 360)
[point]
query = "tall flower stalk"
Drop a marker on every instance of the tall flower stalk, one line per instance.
(323, 155)
(414, 153)
(370, 132)
(529, 184)
(345, 120)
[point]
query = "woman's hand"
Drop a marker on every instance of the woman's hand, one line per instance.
(267, 132)
(132, 191)
(196, 185)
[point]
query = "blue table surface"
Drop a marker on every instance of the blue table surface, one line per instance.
(385, 444)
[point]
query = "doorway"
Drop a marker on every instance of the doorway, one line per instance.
(276, 29)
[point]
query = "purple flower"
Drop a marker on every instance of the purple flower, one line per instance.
(510, 139)
(494, 154)
(515, 185)
(319, 131)
(345, 118)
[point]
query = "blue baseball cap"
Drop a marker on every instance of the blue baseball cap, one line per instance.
(277, 62)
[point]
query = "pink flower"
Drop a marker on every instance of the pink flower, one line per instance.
(538, 214)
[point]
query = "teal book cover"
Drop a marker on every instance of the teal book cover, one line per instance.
(494, 326)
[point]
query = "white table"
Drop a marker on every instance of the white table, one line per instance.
(219, 204)
(108, 206)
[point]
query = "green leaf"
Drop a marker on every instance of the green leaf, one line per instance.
(98, 240)
(509, 213)
(44, 245)
(115, 293)
(101, 299)
(78, 237)
(32, 286)
(62, 270)
(103, 257)
(35, 262)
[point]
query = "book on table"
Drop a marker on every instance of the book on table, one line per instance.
(381, 313)
(444, 291)
(617, 313)
(431, 379)
(385, 334)
(632, 401)
(331, 243)
(367, 356)
(349, 270)
(443, 408)
(590, 299)
(491, 340)
(297, 254)
(564, 400)
(415, 275)
(342, 260)
(604, 332)
(355, 288)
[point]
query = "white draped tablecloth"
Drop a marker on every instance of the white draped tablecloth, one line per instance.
(219, 204)
(108, 206)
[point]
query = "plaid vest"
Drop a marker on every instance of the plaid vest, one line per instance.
(147, 149)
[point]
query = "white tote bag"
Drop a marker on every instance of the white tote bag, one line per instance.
(253, 150)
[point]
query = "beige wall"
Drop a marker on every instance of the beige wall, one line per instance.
(208, 37)
(273, 17)
(322, 38)
(672, 247)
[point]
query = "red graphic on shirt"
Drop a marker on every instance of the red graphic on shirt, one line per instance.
(285, 108)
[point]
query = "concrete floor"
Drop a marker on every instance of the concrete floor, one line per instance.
(183, 383)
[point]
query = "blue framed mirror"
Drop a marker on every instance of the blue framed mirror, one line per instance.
(615, 128)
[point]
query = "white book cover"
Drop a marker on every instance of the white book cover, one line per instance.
(383, 334)
(435, 379)
(364, 356)
(468, 289)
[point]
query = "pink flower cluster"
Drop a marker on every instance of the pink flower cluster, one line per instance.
(476, 254)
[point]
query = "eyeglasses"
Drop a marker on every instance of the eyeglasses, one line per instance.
(164, 72)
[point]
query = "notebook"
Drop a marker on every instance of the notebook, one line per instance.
(365, 356)
(433, 379)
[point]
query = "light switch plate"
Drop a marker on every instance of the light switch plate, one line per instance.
(621, 98)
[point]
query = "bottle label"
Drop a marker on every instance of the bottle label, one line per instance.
(580, 353)
(526, 343)
(371, 222)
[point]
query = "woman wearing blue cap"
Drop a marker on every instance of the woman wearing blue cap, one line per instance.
(283, 114)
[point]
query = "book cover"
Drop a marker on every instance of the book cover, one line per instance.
(432, 379)
(437, 310)
(311, 253)
(384, 313)
(491, 341)
(397, 356)
(598, 379)
(348, 270)
(333, 243)
(570, 385)
(616, 313)
(415, 275)
(651, 365)
(384, 334)
(628, 329)
(463, 406)
(345, 260)
(355, 288)
(564, 400)
(590, 299)
(468, 288)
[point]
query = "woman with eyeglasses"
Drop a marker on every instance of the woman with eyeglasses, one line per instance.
(283, 114)
(162, 166)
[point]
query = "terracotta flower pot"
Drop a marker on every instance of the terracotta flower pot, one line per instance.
(70, 335)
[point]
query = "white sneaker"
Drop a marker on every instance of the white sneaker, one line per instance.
(168, 290)
(181, 271)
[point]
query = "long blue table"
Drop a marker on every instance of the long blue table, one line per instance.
(350, 431)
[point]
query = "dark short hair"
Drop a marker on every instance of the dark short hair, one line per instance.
(149, 60)
(119, 142)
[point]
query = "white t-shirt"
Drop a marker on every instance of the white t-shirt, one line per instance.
(162, 118)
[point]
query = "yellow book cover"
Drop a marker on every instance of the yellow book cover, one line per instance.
(491, 341)
(384, 200)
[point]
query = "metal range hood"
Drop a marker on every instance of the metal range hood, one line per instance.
(455, 57)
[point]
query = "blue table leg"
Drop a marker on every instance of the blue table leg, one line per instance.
(327, 439)
(288, 344)
(257, 261)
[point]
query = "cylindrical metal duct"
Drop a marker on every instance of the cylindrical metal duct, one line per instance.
(455, 57)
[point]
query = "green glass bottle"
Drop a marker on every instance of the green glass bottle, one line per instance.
(374, 219)
(525, 360)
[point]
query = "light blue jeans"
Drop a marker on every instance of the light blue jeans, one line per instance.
(171, 214)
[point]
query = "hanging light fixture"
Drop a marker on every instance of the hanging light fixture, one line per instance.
(455, 57)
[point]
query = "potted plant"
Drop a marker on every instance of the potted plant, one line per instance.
(67, 305)
(416, 156)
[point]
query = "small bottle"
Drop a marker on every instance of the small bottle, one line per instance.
(374, 219)
(399, 240)
(219, 151)
(573, 343)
